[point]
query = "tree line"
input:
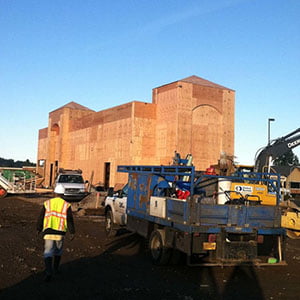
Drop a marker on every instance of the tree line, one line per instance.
(10, 163)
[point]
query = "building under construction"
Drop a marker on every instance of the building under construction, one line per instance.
(191, 115)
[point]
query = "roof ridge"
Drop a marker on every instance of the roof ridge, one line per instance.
(74, 105)
(204, 82)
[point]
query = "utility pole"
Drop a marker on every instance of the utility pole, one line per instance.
(269, 141)
(269, 121)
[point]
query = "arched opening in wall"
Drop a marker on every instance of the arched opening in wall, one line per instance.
(206, 140)
(53, 153)
(55, 129)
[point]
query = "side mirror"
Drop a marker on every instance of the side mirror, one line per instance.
(110, 192)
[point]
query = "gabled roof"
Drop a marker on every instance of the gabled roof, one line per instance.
(74, 105)
(200, 81)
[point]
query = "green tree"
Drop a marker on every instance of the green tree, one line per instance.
(8, 163)
(287, 159)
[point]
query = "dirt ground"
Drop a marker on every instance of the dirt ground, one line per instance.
(96, 267)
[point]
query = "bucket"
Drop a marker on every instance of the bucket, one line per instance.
(223, 185)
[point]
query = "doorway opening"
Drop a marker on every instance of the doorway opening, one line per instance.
(106, 175)
(51, 174)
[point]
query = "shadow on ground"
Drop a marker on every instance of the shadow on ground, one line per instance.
(123, 272)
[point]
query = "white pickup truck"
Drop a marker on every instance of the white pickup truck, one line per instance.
(72, 184)
(115, 210)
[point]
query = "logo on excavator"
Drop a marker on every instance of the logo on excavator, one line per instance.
(293, 144)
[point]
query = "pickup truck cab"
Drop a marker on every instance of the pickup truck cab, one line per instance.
(115, 210)
(72, 183)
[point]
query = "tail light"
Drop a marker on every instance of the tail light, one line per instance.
(212, 238)
(260, 239)
(211, 243)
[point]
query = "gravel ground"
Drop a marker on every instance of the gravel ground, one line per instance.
(97, 267)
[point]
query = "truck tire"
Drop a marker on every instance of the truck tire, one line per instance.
(109, 224)
(3, 193)
(159, 253)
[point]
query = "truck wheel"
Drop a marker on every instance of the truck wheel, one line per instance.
(109, 224)
(159, 253)
(3, 193)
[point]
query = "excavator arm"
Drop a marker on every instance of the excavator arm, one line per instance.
(277, 148)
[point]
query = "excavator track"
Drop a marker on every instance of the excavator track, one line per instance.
(290, 220)
(294, 235)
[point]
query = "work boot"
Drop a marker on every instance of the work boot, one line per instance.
(48, 268)
(56, 264)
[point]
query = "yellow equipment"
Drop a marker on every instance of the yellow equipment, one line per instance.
(258, 192)
(290, 219)
(253, 192)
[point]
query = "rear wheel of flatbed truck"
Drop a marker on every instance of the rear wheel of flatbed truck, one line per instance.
(160, 254)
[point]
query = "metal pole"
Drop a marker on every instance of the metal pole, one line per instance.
(269, 121)
(279, 249)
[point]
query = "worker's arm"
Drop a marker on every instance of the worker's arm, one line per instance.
(40, 222)
(70, 221)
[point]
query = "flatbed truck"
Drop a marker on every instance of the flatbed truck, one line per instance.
(178, 210)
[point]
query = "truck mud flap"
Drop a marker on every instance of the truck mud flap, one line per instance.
(140, 226)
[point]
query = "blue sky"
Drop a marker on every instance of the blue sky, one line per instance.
(105, 53)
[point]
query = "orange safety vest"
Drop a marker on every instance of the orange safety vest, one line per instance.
(56, 214)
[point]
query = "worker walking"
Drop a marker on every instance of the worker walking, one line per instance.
(55, 220)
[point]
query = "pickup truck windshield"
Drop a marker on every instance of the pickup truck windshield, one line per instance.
(70, 179)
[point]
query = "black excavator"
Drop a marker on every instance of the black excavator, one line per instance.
(275, 149)
(290, 208)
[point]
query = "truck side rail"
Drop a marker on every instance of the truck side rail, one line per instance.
(159, 170)
(193, 179)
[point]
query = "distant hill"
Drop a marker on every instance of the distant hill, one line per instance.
(10, 163)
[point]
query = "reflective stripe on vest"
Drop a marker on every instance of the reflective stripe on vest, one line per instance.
(56, 214)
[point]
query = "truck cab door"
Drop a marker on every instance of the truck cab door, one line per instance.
(120, 204)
